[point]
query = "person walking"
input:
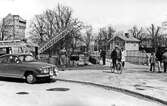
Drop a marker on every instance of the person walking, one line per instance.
(164, 60)
(114, 57)
(123, 57)
(103, 56)
(159, 59)
(119, 54)
(152, 62)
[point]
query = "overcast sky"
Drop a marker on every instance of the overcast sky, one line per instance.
(120, 13)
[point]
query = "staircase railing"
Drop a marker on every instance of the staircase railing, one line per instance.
(54, 40)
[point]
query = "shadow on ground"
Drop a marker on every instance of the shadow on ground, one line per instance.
(6, 79)
(57, 89)
(22, 93)
(90, 67)
(107, 71)
(16, 80)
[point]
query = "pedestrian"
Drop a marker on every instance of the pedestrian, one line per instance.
(152, 62)
(119, 53)
(63, 60)
(159, 59)
(164, 59)
(103, 56)
(114, 57)
(147, 59)
(123, 57)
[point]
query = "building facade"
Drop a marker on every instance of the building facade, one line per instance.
(129, 43)
(13, 27)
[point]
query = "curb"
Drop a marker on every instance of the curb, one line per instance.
(125, 91)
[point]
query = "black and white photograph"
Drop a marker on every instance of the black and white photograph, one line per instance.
(83, 52)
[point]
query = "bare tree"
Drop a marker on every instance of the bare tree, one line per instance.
(111, 32)
(1, 30)
(88, 37)
(104, 35)
(137, 33)
(154, 33)
(37, 30)
(51, 22)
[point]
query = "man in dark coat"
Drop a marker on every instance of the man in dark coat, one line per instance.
(116, 55)
(114, 58)
(164, 59)
(103, 56)
(159, 58)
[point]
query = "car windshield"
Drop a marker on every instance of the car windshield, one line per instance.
(27, 58)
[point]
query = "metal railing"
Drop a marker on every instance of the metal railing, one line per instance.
(54, 40)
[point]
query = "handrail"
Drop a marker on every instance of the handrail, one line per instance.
(54, 40)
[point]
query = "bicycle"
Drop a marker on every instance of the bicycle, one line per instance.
(118, 67)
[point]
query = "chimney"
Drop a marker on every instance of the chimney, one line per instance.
(127, 35)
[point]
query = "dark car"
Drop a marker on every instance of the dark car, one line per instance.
(27, 67)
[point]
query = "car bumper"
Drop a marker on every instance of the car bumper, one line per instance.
(47, 75)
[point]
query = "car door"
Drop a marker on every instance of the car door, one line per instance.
(14, 67)
(4, 66)
(9, 67)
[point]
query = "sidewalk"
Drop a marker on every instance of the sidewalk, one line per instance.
(136, 78)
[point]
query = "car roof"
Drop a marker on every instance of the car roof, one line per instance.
(15, 54)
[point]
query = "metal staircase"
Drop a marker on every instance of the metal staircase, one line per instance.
(54, 40)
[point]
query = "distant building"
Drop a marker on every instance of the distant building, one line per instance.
(146, 42)
(128, 42)
(13, 27)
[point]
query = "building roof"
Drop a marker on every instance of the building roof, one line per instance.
(130, 38)
(21, 19)
(11, 16)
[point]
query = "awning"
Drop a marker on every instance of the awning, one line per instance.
(16, 43)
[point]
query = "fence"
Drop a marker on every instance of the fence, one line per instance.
(134, 56)
(137, 57)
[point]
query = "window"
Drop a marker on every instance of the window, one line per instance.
(26, 58)
(21, 58)
(13, 59)
(29, 58)
(9, 59)
(4, 60)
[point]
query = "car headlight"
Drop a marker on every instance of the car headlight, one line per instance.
(45, 70)
(41, 70)
(56, 70)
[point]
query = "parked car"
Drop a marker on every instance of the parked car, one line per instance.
(27, 67)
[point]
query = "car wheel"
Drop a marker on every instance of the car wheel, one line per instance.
(30, 78)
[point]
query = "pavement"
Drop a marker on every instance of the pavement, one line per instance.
(134, 78)
(64, 94)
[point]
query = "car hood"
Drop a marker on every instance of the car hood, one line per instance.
(38, 64)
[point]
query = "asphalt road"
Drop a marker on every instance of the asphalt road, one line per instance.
(18, 93)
